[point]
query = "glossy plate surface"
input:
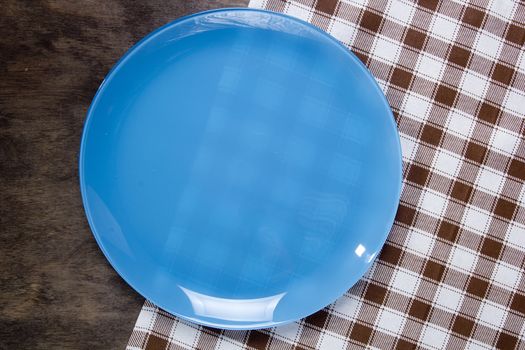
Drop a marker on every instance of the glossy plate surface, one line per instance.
(240, 168)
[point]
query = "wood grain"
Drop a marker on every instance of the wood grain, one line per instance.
(56, 288)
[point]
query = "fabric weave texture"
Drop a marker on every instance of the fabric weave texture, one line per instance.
(451, 274)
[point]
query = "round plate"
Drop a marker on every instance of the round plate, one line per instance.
(240, 168)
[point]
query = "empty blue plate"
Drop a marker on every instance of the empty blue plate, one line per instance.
(240, 168)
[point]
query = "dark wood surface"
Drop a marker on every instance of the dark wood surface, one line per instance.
(56, 289)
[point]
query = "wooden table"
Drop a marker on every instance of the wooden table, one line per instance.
(56, 288)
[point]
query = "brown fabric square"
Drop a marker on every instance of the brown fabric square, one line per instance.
(517, 169)
(401, 78)
(420, 310)
(418, 175)
(318, 319)
(506, 341)
(327, 6)
(415, 38)
(156, 343)
(361, 333)
(258, 340)
(396, 115)
(403, 344)
(448, 231)
(474, 17)
(375, 293)
(502, 73)
(429, 4)
(488, 113)
(478, 287)
(434, 270)
(518, 303)
(475, 152)
(516, 34)
(390, 254)
(463, 326)
(405, 215)
(206, 339)
(459, 56)
(491, 248)
(431, 135)
(461, 191)
(505, 208)
(371, 21)
(446, 95)
(210, 330)
(362, 57)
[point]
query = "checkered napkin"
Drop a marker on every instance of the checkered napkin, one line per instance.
(451, 274)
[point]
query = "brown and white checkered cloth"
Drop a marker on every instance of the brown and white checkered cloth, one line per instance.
(451, 274)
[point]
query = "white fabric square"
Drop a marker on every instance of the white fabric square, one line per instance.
(433, 203)
(401, 11)
(227, 344)
(492, 314)
(390, 321)
(298, 11)
(476, 219)
(515, 102)
(184, 333)
(487, 45)
(444, 28)
(343, 32)
(347, 306)
(408, 146)
(448, 298)
(463, 259)
(516, 235)
(490, 179)
(405, 282)
(145, 319)
(331, 342)
(386, 50)
(416, 106)
(289, 331)
(504, 140)
(503, 9)
(476, 345)
(430, 66)
(474, 84)
(257, 3)
(434, 337)
(446, 162)
(419, 242)
(506, 275)
(460, 123)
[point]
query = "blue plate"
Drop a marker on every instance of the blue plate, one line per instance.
(240, 168)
